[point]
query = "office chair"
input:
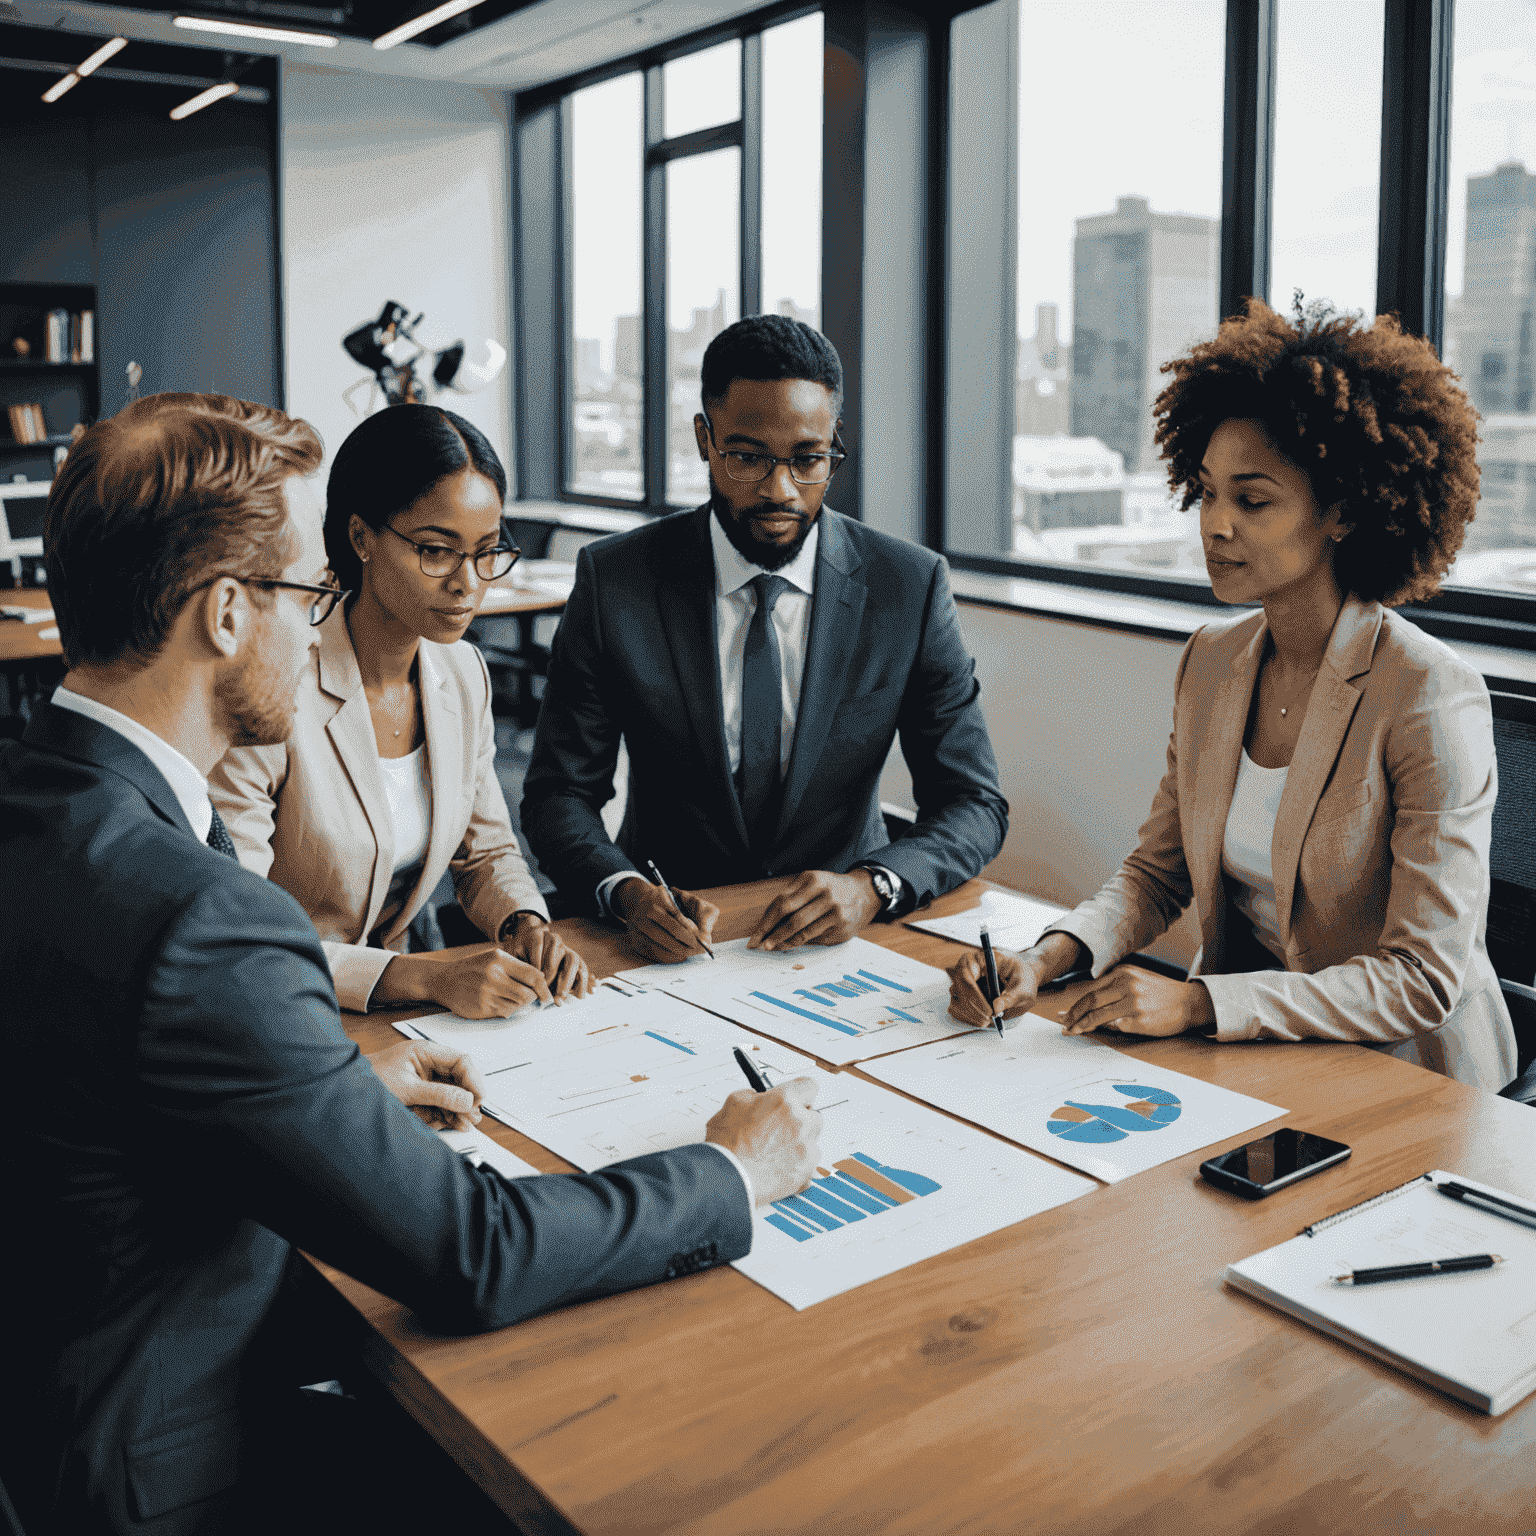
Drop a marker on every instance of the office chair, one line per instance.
(1511, 933)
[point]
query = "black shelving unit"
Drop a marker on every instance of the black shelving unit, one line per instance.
(68, 392)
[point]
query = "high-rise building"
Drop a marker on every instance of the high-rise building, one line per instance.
(1494, 348)
(1144, 288)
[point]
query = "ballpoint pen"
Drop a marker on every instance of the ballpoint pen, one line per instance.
(994, 986)
(660, 880)
(754, 1077)
(1417, 1271)
(1495, 1205)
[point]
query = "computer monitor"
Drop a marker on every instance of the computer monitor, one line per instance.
(22, 504)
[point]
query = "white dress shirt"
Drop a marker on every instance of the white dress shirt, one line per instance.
(188, 785)
(1246, 844)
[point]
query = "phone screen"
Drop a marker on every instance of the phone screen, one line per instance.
(1281, 1155)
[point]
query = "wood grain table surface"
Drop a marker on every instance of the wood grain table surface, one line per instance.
(1085, 1371)
(19, 641)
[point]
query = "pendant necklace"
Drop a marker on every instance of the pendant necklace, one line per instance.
(1285, 708)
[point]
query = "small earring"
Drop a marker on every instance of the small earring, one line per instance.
(364, 558)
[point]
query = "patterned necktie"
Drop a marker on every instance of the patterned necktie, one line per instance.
(218, 837)
(762, 709)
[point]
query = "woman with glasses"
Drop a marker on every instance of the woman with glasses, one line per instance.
(388, 778)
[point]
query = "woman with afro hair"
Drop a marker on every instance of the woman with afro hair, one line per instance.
(1331, 776)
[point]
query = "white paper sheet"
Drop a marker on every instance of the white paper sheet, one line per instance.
(1015, 922)
(1073, 1097)
(474, 1142)
(843, 1003)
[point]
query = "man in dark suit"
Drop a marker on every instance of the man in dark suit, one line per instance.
(758, 657)
(204, 1110)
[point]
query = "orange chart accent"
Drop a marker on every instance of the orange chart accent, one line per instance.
(1072, 1112)
(854, 1169)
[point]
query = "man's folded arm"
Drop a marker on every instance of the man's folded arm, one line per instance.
(242, 1058)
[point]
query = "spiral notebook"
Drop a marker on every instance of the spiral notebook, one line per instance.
(1471, 1335)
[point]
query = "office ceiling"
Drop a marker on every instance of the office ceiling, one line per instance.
(504, 44)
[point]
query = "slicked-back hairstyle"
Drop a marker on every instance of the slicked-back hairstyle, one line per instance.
(173, 490)
(390, 460)
(1369, 413)
(771, 347)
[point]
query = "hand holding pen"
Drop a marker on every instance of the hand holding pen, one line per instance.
(664, 924)
(993, 988)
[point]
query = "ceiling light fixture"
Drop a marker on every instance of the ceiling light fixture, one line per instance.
(204, 99)
(57, 89)
(424, 23)
(101, 56)
(266, 34)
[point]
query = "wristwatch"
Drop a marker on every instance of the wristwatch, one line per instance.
(887, 886)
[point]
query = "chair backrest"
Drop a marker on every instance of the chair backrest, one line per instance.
(1512, 858)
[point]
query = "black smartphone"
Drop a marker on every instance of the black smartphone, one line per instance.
(1272, 1162)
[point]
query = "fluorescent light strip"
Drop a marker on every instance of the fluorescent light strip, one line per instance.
(101, 56)
(57, 89)
(204, 99)
(266, 34)
(407, 30)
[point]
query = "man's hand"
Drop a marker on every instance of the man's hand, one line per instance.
(777, 1135)
(655, 930)
(528, 937)
(819, 908)
(441, 1086)
(1140, 1002)
(474, 982)
(968, 1003)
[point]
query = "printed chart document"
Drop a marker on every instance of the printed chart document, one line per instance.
(898, 1182)
(1472, 1335)
(843, 1003)
(491, 1154)
(1015, 922)
(1073, 1097)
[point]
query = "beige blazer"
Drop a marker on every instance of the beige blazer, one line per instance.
(1380, 850)
(312, 815)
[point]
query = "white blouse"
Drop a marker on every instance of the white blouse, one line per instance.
(1245, 849)
(408, 787)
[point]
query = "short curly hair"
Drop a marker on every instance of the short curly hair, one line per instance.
(1370, 414)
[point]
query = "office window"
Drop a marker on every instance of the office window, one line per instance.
(791, 222)
(606, 138)
(702, 89)
(1119, 209)
(1327, 165)
(1490, 280)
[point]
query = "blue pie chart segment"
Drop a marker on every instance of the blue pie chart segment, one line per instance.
(1144, 1109)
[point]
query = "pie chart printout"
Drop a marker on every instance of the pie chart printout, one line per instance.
(1142, 1109)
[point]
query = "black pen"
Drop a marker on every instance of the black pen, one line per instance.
(994, 986)
(1480, 1201)
(754, 1077)
(1415, 1271)
(660, 879)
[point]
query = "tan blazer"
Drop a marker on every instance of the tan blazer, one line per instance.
(1380, 850)
(312, 814)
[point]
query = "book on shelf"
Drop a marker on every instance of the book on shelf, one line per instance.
(56, 335)
(27, 424)
(87, 336)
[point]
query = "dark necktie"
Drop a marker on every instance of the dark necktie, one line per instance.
(218, 837)
(762, 710)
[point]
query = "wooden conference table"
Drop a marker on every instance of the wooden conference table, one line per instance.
(1085, 1371)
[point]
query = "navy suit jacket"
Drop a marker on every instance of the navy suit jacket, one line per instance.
(636, 656)
(185, 1106)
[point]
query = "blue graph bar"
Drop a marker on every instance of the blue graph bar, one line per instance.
(673, 1043)
(916, 1182)
(805, 1013)
(839, 1208)
(796, 1231)
(858, 985)
(809, 1212)
(895, 986)
(831, 986)
(821, 1001)
(851, 1191)
(909, 1017)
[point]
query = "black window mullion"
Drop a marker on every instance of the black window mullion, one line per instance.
(751, 173)
(565, 237)
(1248, 155)
(1415, 164)
(653, 304)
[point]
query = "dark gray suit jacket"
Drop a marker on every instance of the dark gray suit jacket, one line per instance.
(184, 1107)
(636, 656)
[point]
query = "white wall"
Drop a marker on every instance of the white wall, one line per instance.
(392, 189)
(1079, 718)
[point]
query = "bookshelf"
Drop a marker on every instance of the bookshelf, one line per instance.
(66, 392)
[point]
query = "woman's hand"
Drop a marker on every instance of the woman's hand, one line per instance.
(478, 982)
(530, 938)
(1140, 1002)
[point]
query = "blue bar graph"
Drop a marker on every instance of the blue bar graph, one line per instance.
(840, 1198)
(805, 1013)
(895, 986)
(673, 1043)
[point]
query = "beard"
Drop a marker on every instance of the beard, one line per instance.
(764, 555)
(255, 705)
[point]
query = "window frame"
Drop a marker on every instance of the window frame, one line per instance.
(657, 152)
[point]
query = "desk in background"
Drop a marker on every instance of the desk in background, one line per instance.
(29, 665)
(535, 589)
(1085, 1371)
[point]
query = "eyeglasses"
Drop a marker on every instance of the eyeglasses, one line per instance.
(751, 468)
(323, 605)
(439, 560)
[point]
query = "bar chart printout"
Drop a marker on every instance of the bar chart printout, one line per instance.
(842, 1003)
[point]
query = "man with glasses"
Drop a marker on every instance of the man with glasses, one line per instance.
(192, 1105)
(758, 657)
